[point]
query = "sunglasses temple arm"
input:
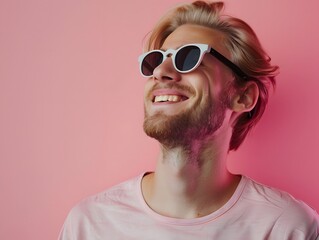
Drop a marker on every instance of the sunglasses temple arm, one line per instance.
(229, 64)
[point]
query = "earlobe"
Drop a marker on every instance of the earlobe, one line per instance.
(246, 98)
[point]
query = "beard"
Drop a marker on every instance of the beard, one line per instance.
(197, 123)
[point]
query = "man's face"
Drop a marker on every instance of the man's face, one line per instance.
(180, 107)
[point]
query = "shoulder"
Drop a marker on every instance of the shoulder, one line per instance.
(95, 213)
(292, 215)
(92, 207)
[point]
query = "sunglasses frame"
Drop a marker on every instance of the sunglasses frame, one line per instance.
(204, 48)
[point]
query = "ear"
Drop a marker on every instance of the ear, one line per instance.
(245, 98)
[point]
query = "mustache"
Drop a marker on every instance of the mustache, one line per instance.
(172, 85)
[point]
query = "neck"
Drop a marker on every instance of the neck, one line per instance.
(190, 181)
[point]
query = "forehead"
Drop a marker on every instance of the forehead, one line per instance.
(191, 33)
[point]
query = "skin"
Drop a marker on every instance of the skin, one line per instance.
(191, 178)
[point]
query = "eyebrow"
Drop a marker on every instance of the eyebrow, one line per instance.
(179, 46)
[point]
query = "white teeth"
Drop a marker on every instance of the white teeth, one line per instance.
(167, 98)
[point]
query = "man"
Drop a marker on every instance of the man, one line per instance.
(207, 85)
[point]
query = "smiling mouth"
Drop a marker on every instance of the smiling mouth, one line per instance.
(169, 98)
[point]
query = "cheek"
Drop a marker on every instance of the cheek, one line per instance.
(147, 89)
(204, 86)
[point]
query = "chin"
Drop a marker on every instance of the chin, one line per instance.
(186, 126)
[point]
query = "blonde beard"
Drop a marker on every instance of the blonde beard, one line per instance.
(187, 126)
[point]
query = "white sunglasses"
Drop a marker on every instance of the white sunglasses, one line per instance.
(185, 59)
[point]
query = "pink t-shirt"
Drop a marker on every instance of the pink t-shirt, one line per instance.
(253, 212)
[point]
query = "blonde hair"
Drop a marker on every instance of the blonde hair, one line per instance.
(243, 45)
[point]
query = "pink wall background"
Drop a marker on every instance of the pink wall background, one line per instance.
(71, 104)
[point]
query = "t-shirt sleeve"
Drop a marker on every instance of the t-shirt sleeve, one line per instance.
(66, 232)
(301, 222)
(77, 224)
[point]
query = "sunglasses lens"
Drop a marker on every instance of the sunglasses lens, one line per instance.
(150, 62)
(187, 58)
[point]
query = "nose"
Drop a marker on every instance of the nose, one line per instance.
(166, 71)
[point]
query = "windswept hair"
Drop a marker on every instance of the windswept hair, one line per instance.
(243, 45)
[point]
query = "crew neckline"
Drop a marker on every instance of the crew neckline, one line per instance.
(191, 221)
